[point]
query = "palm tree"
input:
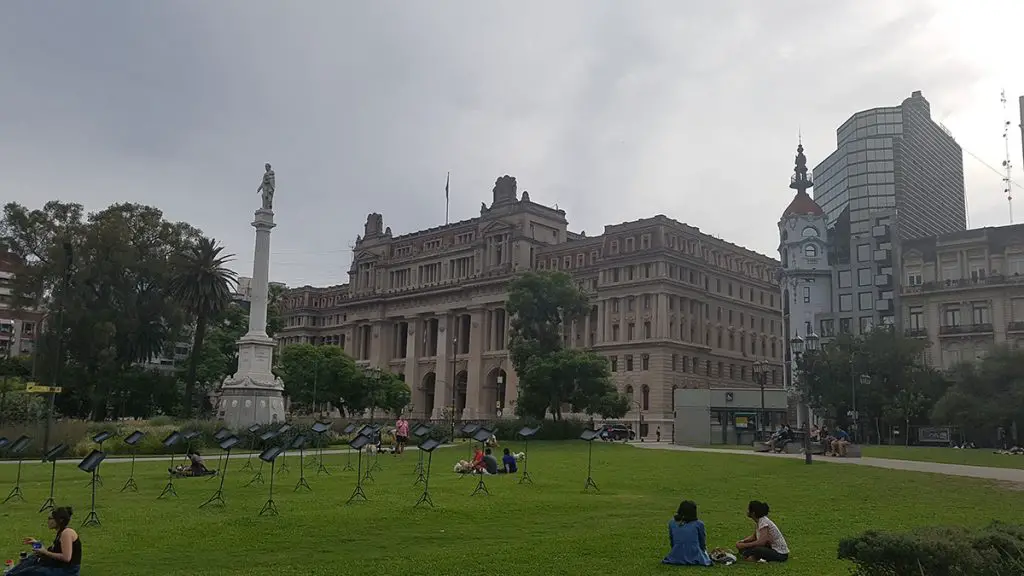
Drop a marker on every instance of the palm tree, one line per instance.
(202, 285)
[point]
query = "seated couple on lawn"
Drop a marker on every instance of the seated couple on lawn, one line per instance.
(485, 463)
(687, 538)
(196, 467)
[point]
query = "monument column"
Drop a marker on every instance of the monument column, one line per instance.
(253, 395)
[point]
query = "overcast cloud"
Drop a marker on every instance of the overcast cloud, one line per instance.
(613, 110)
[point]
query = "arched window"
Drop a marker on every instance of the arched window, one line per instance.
(811, 251)
(629, 392)
(645, 397)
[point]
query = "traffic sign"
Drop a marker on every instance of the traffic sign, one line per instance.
(34, 388)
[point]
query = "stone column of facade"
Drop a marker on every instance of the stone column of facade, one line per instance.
(413, 351)
(379, 348)
(586, 331)
(253, 395)
(688, 316)
(350, 341)
(444, 377)
(475, 380)
(662, 316)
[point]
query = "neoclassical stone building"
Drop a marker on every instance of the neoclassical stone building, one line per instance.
(672, 307)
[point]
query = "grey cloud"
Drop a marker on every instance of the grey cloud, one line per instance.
(613, 110)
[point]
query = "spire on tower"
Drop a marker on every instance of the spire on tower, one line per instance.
(801, 179)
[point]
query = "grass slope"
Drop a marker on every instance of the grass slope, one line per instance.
(544, 529)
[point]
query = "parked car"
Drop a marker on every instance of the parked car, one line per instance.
(615, 432)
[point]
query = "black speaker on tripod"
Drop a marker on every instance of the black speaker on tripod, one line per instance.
(52, 456)
(133, 440)
(270, 455)
(170, 442)
(254, 432)
(90, 464)
(589, 436)
(526, 433)
(220, 436)
(17, 448)
(299, 443)
(99, 439)
(348, 431)
(320, 428)
(265, 440)
(226, 445)
(420, 432)
(284, 434)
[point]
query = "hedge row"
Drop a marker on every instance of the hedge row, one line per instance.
(995, 550)
(79, 434)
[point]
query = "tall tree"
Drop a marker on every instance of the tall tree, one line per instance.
(203, 285)
(319, 374)
(899, 390)
(117, 310)
(985, 396)
(550, 376)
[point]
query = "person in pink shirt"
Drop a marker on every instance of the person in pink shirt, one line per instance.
(401, 433)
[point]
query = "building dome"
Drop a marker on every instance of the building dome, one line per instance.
(802, 205)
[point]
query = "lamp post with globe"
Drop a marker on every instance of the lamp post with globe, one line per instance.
(799, 346)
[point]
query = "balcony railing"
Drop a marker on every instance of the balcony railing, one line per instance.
(966, 329)
(1016, 326)
(916, 332)
(963, 284)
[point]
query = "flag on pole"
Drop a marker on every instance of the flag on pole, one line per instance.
(447, 180)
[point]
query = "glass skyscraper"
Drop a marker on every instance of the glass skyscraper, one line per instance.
(895, 157)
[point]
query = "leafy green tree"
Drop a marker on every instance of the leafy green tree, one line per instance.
(551, 376)
(219, 357)
(386, 391)
(202, 284)
(326, 371)
(900, 388)
(985, 396)
(117, 308)
(275, 321)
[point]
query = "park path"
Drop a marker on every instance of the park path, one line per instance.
(985, 472)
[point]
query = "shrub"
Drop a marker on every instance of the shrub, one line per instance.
(996, 550)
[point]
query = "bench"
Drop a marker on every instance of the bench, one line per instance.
(853, 451)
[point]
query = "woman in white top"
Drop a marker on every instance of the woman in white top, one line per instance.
(767, 543)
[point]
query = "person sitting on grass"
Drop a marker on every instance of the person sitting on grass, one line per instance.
(687, 538)
(490, 462)
(478, 460)
(63, 558)
(767, 543)
(508, 463)
(195, 467)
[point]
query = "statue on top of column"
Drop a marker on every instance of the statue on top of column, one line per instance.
(267, 187)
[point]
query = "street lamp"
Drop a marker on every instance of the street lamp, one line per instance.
(640, 421)
(761, 373)
(865, 380)
(797, 345)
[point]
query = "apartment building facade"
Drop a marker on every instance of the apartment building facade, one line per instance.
(672, 307)
(19, 328)
(964, 292)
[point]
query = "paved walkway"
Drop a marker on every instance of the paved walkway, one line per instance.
(1001, 474)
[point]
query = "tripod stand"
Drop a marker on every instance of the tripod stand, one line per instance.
(425, 497)
(50, 504)
(258, 477)
(358, 493)
(169, 488)
(252, 446)
(96, 478)
(130, 483)
(218, 496)
(526, 478)
(270, 508)
(348, 462)
(590, 459)
(92, 519)
(302, 473)
(419, 470)
(320, 468)
(16, 491)
(480, 486)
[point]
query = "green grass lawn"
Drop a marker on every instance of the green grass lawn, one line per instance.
(976, 457)
(548, 528)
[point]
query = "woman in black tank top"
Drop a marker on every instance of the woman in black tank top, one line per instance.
(64, 558)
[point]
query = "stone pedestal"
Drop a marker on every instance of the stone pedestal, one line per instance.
(254, 395)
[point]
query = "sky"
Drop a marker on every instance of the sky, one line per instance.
(612, 110)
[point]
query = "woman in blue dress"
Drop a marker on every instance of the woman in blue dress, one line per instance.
(687, 537)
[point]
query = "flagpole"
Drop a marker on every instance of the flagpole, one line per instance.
(447, 180)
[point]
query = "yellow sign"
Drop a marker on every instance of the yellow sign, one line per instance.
(37, 389)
